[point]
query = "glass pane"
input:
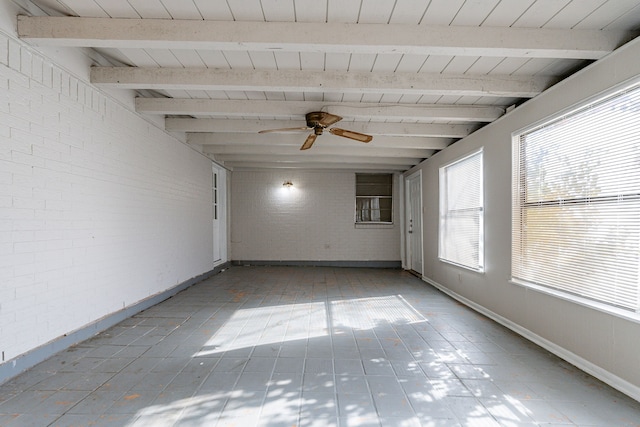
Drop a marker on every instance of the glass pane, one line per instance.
(374, 184)
(576, 206)
(373, 209)
(461, 212)
(593, 153)
(462, 245)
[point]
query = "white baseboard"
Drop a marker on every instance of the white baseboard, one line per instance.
(596, 371)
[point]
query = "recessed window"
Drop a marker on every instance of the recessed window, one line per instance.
(374, 198)
(461, 213)
(576, 202)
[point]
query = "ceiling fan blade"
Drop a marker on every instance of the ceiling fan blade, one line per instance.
(284, 130)
(351, 134)
(309, 142)
(326, 119)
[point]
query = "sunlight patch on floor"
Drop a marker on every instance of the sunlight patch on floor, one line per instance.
(368, 313)
(268, 325)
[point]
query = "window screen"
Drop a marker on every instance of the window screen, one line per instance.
(461, 213)
(576, 202)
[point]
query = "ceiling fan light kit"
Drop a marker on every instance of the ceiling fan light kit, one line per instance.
(318, 121)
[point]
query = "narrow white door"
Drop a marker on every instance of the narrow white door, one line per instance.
(218, 199)
(414, 222)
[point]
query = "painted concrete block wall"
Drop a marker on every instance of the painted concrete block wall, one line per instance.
(312, 221)
(607, 345)
(99, 208)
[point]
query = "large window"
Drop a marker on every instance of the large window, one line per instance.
(374, 198)
(576, 202)
(461, 213)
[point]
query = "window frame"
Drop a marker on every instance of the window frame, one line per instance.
(390, 197)
(443, 206)
(518, 181)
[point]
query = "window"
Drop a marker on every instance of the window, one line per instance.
(374, 198)
(461, 213)
(576, 202)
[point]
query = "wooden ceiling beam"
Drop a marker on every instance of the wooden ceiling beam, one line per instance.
(371, 128)
(320, 81)
(328, 140)
(320, 37)
(297, 109)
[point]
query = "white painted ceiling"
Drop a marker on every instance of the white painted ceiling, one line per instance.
(418, 75)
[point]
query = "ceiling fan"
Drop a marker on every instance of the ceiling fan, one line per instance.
(318, 121)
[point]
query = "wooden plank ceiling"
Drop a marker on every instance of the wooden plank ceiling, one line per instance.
(417, 75)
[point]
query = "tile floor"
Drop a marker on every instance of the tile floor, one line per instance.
(301, 346)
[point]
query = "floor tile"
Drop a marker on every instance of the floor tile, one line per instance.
(260, 364)
(351, 384)
(348, 367)
(253, 381)
(356, 405)
(312, 346)
(319, 366)
(31, 420)
(393, 405)
(312, 382)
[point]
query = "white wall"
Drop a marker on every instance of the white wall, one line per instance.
(99, 208)
(313, 221)
(607, 345)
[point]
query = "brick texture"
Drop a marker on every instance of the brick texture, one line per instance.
(312, 221)
(99, 208)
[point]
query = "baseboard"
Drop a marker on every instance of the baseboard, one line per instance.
(356, 264)
(19, 364)
(590, 368)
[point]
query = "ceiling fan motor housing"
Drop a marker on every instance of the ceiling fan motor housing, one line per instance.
(321, 119)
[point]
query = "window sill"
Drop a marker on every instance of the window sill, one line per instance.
(465, 267)
(585, 302)
(373, 225)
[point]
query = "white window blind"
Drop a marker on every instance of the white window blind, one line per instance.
(576, 202)
(461, 213)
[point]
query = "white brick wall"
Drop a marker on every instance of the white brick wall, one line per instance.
(312, 221)
(99, 209)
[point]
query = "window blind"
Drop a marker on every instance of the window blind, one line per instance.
(461, 213)
(576, 202)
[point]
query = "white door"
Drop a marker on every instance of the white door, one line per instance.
(218, 198)
(414, 222)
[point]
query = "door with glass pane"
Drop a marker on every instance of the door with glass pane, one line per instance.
(414, 222)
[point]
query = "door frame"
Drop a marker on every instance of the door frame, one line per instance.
(222, 226)
(408, 253)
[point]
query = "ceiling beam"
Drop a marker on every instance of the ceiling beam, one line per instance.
(353, 110)
(322, 158)
(319, 149)
(371, 128)
(320, 81)
(296, 139)
(351, 167)
(320, 37)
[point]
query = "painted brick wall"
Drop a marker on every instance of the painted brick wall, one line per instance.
(99, 208)
(312, 221)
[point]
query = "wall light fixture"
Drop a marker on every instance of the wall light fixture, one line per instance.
(288, 184)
